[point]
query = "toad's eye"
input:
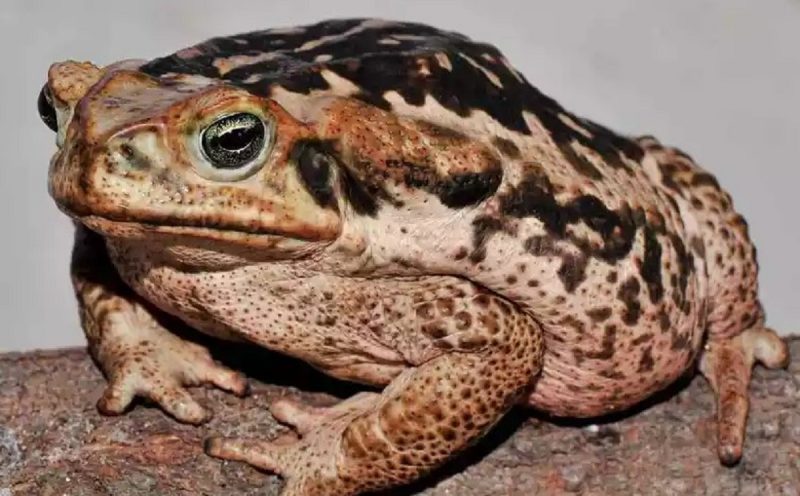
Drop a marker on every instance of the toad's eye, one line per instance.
(46, 110)
(233, 141)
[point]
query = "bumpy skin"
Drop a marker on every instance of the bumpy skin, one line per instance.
(423, 220)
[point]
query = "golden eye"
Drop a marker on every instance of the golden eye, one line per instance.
(233, 141)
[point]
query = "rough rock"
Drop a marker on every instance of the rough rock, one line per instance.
(54, 442)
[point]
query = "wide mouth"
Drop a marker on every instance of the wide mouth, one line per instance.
(142, 231)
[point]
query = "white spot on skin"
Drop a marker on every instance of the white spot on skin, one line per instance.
(338, 84)
(323, 57)
(227, 64)
(368, 24)
(574, 125)
(309, 107)
(443, 60)
(478, 124)
(650, 166)
(253, 78)
(388, 41)
(408, 37)
(288, 30)
(189, 53)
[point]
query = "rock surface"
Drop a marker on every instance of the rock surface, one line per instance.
(53, 441)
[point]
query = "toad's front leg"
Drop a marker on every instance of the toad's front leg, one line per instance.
(138, 355)
(424, 416)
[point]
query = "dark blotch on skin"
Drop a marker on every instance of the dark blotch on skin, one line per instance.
(313, 161)
(663, 320)
(579, 162)
(629, 295)
(572, 271)
(441, 132)
(644, 338)
(680, 341)
(698, 246)
(455, 191)
(541, 246)
(646, 362)
(468, 189)
(484, 227)
(599, 314)
(363, 201)
(651, 265)
(705, 179)
(535, 197)
(685, 267)
(506, 147)
(612, 374)
(607, 345)
(575, 324)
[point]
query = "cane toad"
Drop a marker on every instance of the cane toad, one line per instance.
(397, 206)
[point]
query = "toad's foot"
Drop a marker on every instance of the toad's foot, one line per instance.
(309, 463)
(143, 359)
(727, 364)
(304, 418)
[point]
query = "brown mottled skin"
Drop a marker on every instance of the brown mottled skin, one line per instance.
(465, 246)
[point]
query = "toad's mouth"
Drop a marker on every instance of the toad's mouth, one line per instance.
(144, 231)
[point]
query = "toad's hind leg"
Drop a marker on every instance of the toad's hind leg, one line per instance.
(427, 414)
(727, 364)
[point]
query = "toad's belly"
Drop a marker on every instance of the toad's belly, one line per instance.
(620, 368)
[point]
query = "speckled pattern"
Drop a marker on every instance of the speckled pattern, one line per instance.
(411, 214)
(53, 441)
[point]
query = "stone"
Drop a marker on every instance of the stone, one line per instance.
(53, 441)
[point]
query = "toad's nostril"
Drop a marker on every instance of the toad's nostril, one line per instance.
(46, 110)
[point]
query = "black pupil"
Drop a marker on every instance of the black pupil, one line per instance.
(233, 141)
(46, 110)
(237, 138)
